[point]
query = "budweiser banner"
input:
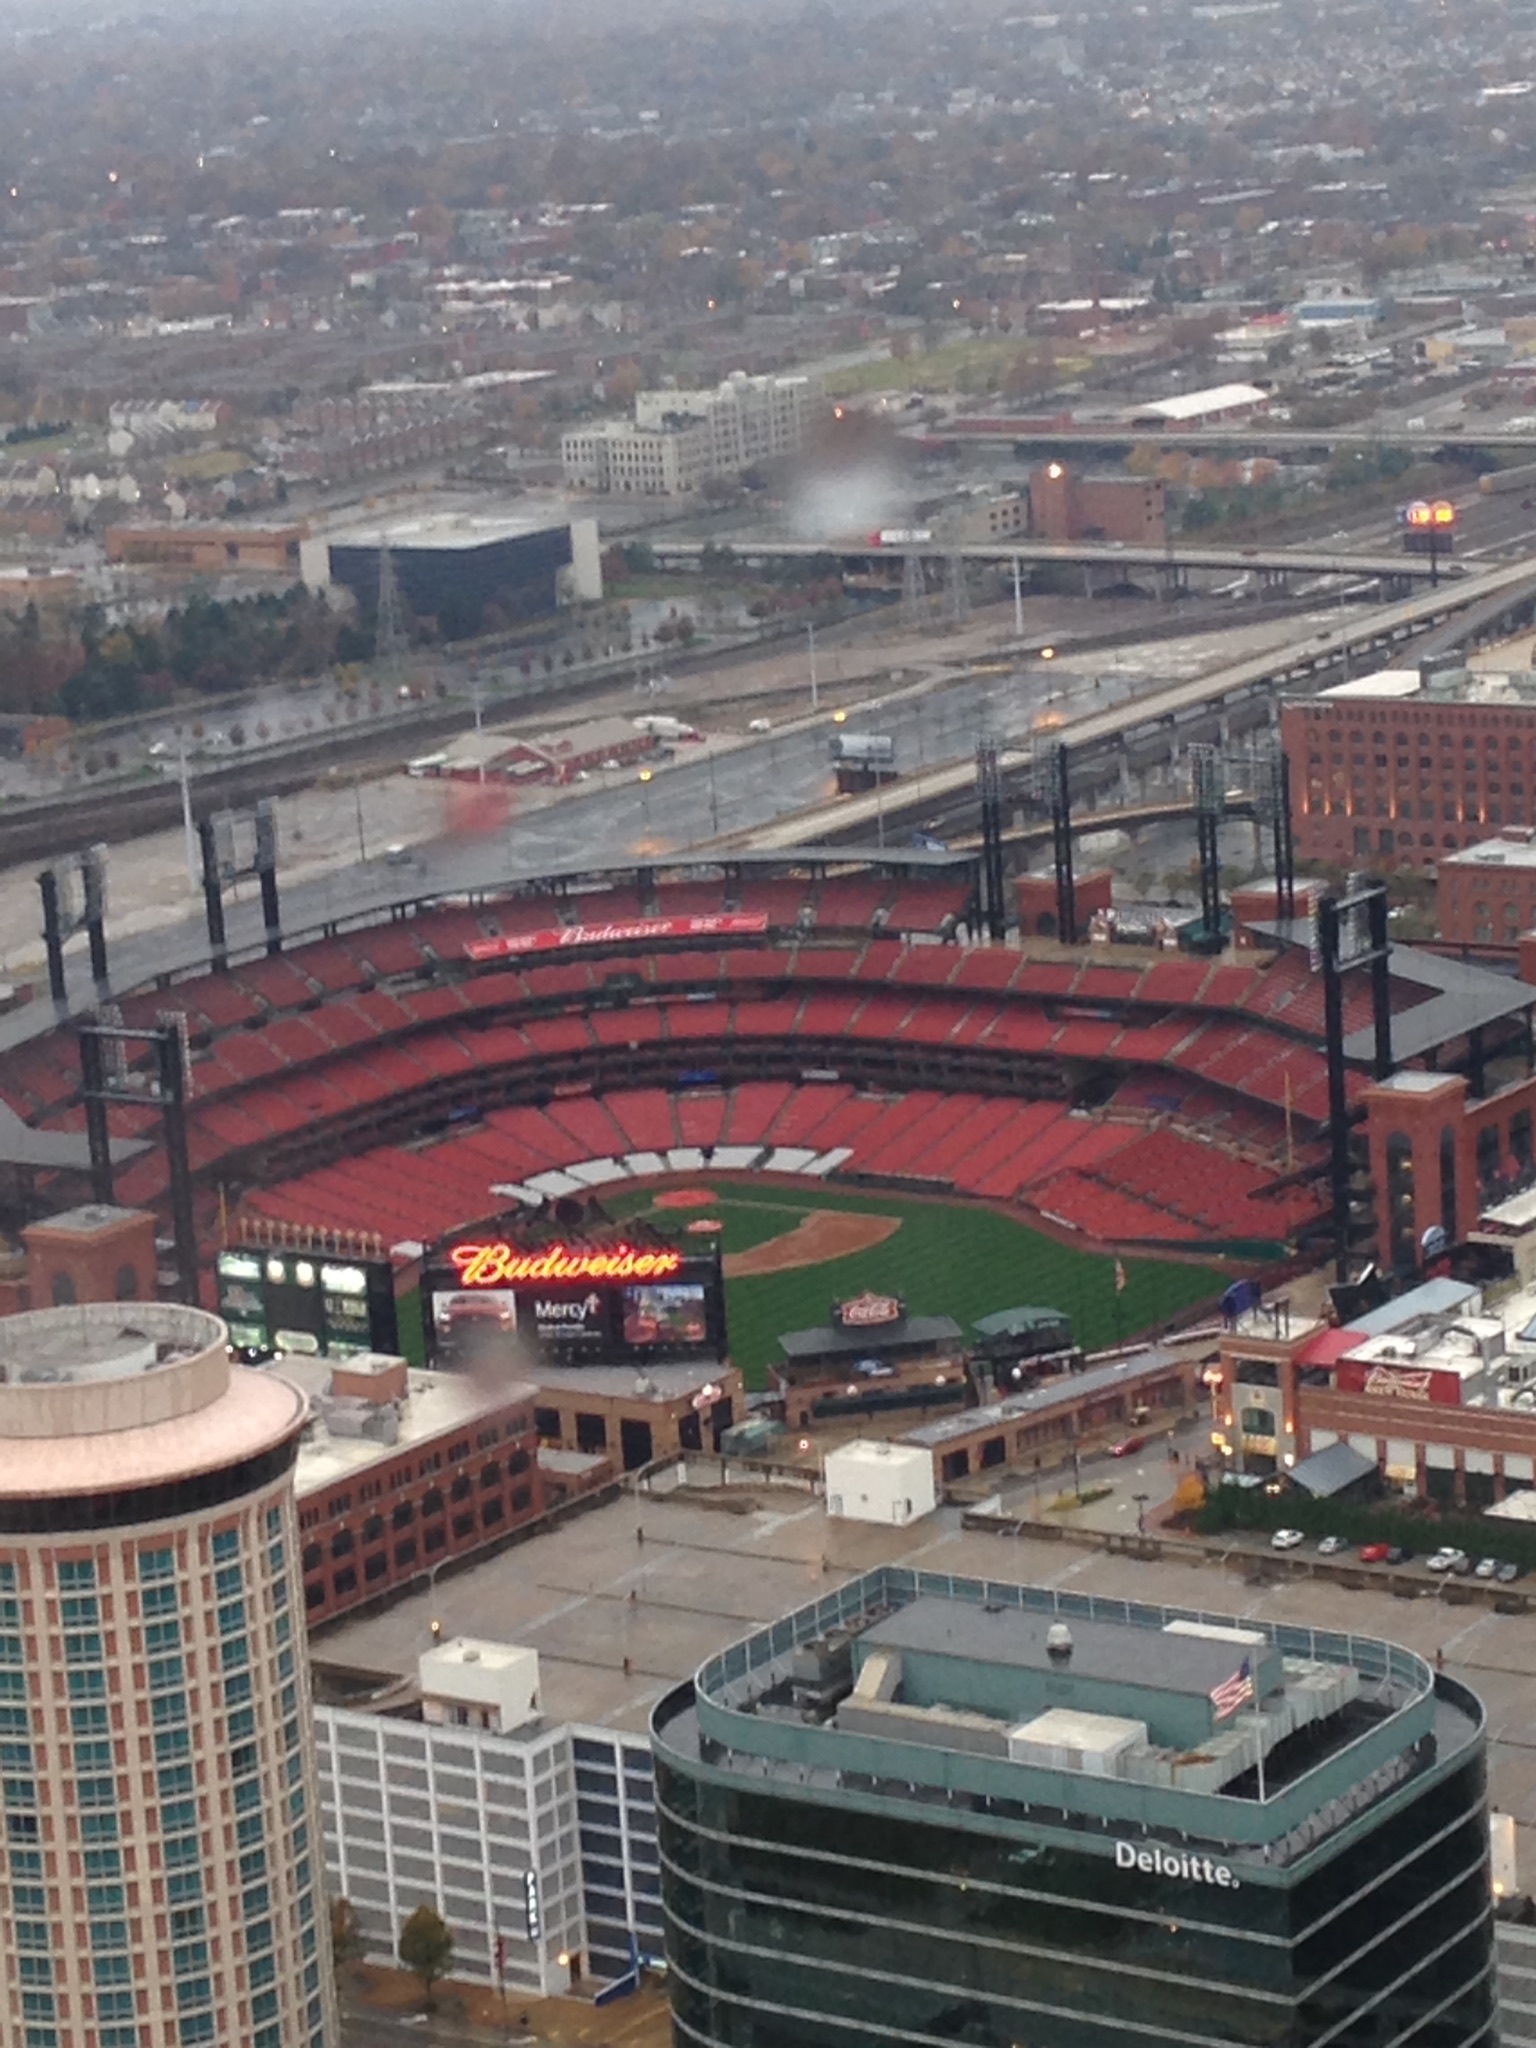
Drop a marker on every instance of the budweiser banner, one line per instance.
(724, 924)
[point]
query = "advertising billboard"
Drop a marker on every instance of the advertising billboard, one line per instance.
(584, 1303)
(300, 1301)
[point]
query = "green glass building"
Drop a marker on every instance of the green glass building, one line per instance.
(932, 1810)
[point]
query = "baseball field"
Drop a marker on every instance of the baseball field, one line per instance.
(791, 1251)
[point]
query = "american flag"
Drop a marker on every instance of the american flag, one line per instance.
(1233, 1692)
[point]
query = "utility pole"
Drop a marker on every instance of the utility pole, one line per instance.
(188, 832)
(1018, 600)
(810, 639)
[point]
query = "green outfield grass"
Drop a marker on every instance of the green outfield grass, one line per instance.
(947, 1258)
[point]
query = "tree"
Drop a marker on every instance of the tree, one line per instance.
(426, 1948)
(347, 1943)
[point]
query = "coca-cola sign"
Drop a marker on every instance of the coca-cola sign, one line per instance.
(868, 1311)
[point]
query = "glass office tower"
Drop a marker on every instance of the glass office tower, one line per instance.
(934, 1810)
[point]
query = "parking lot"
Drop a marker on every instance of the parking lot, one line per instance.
(623, 1602)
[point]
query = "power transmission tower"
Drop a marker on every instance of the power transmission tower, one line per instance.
(914, 593)
(957, 601)
(386, 617)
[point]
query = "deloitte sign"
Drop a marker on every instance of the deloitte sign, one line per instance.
(1165, 1863)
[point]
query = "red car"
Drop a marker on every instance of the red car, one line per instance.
(1374, 1553)
(1128, 1446)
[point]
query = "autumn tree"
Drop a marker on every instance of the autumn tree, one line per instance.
(347, 1943)
(426, 1949)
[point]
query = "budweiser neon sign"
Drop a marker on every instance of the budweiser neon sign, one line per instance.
(724, 924)
(1401, 1386)
(499, 1264)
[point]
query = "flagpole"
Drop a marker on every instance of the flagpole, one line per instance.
(1258, 1730)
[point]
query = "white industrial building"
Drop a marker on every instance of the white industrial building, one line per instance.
(536, 1843)
(679, 439)
(869, 1481)
(667, 460)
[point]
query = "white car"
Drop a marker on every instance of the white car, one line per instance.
(1486, 1568)
(1445, 1559)
(759, 725)
(1332, 1546)
(1287, 1539)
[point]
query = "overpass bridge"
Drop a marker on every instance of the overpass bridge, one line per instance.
(1251, 436)
(1158, 723)
(1173, 561)
(1117, 818)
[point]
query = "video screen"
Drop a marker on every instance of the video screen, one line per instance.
(473, 1325)
(667, 1313)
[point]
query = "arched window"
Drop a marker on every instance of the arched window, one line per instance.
(1487, 1155)
(63, 1290)
(127, 1284)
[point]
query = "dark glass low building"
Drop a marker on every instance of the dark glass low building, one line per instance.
(931, 1810)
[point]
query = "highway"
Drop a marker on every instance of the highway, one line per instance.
(1373, 635)
(1174, 556)
(1254, 436)
(777, 793)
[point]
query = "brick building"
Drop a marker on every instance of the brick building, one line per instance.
(97, 1252)
(632, 1418)
(1401, 768)
(1065, 505)
(209, 550)
(401, 1471)
(1429, 1389)
(1486, 894)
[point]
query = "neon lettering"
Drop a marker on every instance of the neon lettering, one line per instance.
(500, 1264)
(560, 938)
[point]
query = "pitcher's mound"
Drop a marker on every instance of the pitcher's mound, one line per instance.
(825, 1234)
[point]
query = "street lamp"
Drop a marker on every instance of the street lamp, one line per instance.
(187, 831)
(810, 638)
(645, 796)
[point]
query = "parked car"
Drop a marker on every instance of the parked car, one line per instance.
(1332, 1546)
(1287, 1539)
(1446, 1559)
(1486, 1568)
(1396, 1554)
(1375, 1553)
(1507, 1573)
(1128, 1446)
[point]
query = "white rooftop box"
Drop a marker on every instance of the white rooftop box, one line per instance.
(1062, 1739)
(868, 1481)
(473, 1684)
